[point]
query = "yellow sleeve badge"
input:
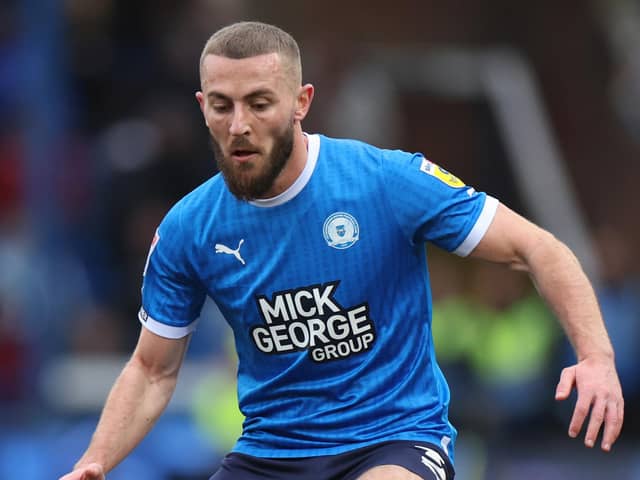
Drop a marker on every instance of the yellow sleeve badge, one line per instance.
(440, 173)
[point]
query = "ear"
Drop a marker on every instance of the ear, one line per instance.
(303, 102)
(200, 100)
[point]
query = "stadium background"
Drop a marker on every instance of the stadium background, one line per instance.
(100, 134)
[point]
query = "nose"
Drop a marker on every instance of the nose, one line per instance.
(239, 122)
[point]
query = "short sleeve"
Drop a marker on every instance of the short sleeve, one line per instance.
(433, 205)
(172, 295)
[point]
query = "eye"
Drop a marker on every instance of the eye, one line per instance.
(220, 107)
(260, 106)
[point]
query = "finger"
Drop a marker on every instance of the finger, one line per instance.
(595, 422)
(580, 412)
(612, 426)
(566, 383)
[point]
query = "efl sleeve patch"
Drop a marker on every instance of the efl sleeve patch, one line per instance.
(440, 173)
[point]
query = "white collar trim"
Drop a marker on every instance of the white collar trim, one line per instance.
(313, 149)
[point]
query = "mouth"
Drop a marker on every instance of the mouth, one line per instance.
(243, 155)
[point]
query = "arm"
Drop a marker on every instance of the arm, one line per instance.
(138, 397)
(514, 241)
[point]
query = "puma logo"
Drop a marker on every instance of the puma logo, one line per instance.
(220, 248)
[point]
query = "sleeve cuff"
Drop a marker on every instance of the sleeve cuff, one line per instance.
(164, 330)
(480, 227)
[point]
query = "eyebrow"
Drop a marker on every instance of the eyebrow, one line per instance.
(262, 92)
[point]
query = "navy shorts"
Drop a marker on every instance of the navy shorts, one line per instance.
(424, 459)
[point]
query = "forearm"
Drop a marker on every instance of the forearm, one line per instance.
(513, 240)
(134, 404)
(565, 287)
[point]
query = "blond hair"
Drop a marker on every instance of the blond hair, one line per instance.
(249, 39)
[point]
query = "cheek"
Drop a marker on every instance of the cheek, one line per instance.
(213, 121)
(281, 124)
(216, 126)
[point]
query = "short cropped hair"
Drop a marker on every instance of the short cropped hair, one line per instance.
(250, 39)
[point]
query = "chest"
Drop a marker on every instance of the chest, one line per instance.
(345, 240)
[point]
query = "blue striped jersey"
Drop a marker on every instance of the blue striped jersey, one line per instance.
(327, 291)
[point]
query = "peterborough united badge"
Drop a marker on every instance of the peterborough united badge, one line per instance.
(341, 230)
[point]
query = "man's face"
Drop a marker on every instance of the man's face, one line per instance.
(249, 106)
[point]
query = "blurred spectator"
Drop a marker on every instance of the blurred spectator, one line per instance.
(96, 330)
(150, 162)
(501, 341)
(14, 358)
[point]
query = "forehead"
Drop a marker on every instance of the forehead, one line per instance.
(241, 75)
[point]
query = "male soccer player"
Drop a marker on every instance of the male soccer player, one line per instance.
(313, 249)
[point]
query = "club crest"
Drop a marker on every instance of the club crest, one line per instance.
(341, 230)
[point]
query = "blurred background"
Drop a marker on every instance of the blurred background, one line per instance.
(537, 103)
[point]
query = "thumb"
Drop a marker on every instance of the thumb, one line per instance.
(566, 383)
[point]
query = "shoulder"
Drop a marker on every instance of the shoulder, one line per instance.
(349, 145)
(204, 194)
(194, 205)
(350, 154)
(370, 159)
(359, 147)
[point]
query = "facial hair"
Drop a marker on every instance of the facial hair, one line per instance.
(249, 181)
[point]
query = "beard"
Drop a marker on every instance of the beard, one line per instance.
(249, 181)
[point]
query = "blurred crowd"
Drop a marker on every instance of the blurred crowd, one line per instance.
(100, 134)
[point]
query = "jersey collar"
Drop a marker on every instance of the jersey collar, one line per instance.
(296, 187)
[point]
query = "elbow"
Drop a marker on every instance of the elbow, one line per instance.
(155, 373)
(539, 247)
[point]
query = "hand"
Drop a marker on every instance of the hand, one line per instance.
(90, 471)
(598, 387)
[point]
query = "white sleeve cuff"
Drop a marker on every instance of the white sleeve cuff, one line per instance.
(480, 228)
(164, 330)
